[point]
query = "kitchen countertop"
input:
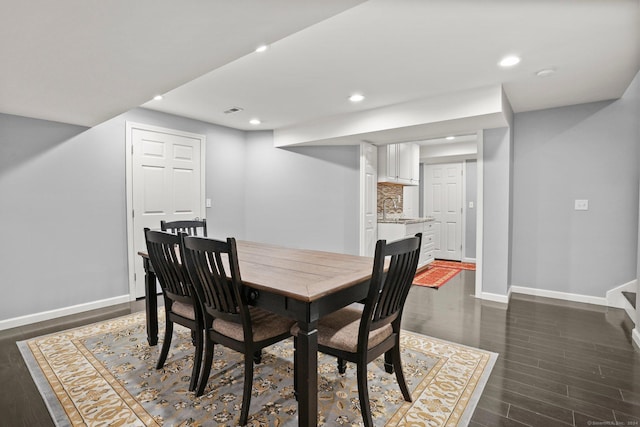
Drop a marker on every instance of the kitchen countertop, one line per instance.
(404, 220)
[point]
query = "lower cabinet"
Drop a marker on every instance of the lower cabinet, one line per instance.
(395, 231)
(428, 243)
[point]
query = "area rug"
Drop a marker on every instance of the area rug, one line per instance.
(104, 374)
(440, 272)
(454, 264)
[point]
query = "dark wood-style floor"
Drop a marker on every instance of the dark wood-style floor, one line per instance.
(560, 363)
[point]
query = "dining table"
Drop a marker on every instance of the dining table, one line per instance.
(301, 284)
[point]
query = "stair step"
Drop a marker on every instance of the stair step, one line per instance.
(631, 297)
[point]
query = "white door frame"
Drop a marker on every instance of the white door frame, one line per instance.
(130, 126)
(465, 206)
(365, 250)
(479, 213)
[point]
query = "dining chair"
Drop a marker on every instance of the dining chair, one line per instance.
(180, 299)
(189, 227)
(361, 333)
(229, 320)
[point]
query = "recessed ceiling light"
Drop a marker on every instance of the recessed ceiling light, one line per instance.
(262, 48)
(356, 97)
(546, 72)
(157, 98)
(509, 61)
(255, 121)
(451, 138)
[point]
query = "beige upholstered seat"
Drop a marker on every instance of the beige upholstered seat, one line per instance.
(340, 330)
(184, 310)
(228, 318)
(360, 334)
(264, 325)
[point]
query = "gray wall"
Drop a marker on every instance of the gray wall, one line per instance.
(304, 197)
(634, 92)
(587, 151)
(63, 193)
(471, 195)
(62, 189)
(496, 236)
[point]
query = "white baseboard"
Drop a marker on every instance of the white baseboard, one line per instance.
(631, 313)
(587, 299)
(615, 297)
(636, 336)
(471, 260)
(59, 312)
(495, 297)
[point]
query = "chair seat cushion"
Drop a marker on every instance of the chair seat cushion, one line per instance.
(340, 329)
(183, 309)
(264, 323)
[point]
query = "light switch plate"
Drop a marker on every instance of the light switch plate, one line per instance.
(582, 205)
(207, 203)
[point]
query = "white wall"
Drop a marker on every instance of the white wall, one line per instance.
(305, 197)
(587, 151)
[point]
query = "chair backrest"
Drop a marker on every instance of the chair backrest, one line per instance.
(389, 290)
(189, 227)
(214, 271)
(166, 258)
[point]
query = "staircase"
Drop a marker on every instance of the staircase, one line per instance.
(624, 296)
(631, 297)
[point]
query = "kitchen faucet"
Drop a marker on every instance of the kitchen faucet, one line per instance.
(384, 206)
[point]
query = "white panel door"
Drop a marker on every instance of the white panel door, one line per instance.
(369, 228)
(443, 201)
(167, 184)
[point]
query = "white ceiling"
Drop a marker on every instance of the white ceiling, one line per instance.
(83, 62)
(86, 61)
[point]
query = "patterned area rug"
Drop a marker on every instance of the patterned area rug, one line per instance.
(454, 264)
(440, 272)
(104, 374)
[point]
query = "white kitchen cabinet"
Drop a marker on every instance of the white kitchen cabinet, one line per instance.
(397, 230)
(427, 252)
(399, 163)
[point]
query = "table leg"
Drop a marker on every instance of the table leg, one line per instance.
(307, 373)
(151, 303)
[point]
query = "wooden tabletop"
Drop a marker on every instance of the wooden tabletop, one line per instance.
(301, 274)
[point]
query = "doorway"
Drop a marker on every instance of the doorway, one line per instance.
(443, 202)
(165, 181)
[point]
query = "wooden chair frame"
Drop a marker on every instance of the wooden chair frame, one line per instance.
(223, 296)
(189, 227)
(165, 255)
(383, 306)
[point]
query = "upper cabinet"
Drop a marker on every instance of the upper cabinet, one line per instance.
(399, 163)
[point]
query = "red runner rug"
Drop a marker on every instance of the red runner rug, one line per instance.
(440, 272)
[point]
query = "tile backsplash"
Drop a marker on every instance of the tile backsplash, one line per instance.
(394, 191)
